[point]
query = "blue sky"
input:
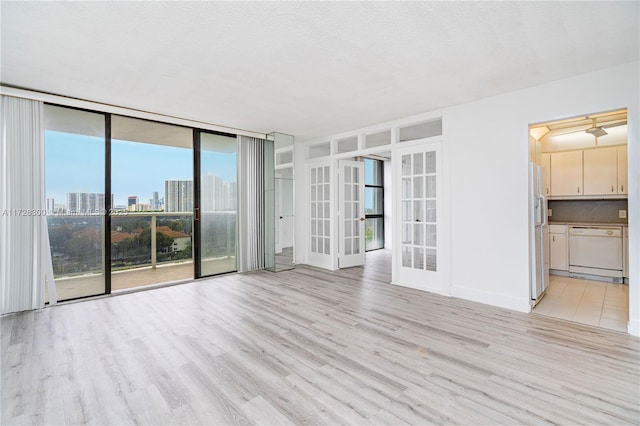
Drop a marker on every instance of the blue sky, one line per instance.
(75, 163)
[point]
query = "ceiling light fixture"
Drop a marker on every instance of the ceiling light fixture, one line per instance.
(596, 131)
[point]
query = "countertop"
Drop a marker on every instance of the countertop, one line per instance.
(587, 223)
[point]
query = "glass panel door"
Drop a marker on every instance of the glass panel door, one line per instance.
(351, 213)
(216, 204)
(419, 185)
(152, 187)
(320, 253)
(75, 149)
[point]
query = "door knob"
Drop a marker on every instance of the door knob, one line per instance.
(362, 219)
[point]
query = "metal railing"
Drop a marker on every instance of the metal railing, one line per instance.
(153, 227)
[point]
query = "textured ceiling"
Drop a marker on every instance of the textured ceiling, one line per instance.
(306, 68)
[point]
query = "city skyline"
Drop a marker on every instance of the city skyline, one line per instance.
(138, 169)
(217, 195)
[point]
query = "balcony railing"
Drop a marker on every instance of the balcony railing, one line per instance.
(176, 244)
(76, 241)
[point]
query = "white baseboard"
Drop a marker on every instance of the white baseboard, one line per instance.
(419, 287)
(493, 299)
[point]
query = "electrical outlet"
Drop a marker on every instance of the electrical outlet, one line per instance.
(549, 212)
(622, 214)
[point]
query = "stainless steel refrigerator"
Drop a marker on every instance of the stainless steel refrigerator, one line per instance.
(539, 235)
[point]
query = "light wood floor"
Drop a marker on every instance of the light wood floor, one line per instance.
(310, 346)
(588, 302)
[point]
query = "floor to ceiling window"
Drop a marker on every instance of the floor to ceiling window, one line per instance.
(152, 187)
(373, 204)
(143, 232)
(75, 148)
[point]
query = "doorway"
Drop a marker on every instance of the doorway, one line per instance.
(578, 200)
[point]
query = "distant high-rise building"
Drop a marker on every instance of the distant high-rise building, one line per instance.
(132, 200)
(84, 202)
(155, 201)
(217, 195)
(51, 205)
(178, 195)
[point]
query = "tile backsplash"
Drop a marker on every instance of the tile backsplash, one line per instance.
(587, 210)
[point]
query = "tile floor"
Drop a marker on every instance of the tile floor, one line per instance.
(589, 302)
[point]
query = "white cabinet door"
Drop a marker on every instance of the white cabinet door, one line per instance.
(558, 258)
(622, 170)
(352, 220)
(566, 173)
(418, 253)
(600, 171)
(545, 163)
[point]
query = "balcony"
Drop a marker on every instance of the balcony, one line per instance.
(147, 248)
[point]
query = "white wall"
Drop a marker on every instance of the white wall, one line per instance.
(488, 142)
(487, 146)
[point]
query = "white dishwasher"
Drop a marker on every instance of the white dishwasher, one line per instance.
(596, 250)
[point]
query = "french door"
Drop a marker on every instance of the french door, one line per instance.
(352, 220)
(418, 183)
(320, 247)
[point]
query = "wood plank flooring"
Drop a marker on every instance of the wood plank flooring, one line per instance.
(314, 347)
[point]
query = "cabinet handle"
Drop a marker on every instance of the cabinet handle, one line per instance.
(547, 191)
(578, 190)
(554, 238)
(621, 188)
(611, 188)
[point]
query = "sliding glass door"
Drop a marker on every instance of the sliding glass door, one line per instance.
(132, 202)
(215, 165)
(152, 187)
(75, 157)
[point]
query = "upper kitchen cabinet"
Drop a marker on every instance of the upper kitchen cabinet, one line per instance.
(566, 174)
(545, 162)
(601, 171)
(622, 170)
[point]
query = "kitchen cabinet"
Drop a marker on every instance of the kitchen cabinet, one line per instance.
(600, 171)
(558, 248)
(622, 170)
(566, 173)
(545, 162)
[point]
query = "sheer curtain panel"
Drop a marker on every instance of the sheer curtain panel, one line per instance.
(251, 204)
(25, 258)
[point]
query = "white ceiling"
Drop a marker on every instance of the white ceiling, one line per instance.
(306, 68)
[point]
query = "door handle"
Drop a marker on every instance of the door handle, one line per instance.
(197, 213)
(362, 219)
(543, 210)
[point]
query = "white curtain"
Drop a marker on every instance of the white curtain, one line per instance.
(250, 204)
(25, 258)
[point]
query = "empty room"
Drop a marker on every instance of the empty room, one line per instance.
(276, 213)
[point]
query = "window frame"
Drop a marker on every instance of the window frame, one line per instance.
(380, 164)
